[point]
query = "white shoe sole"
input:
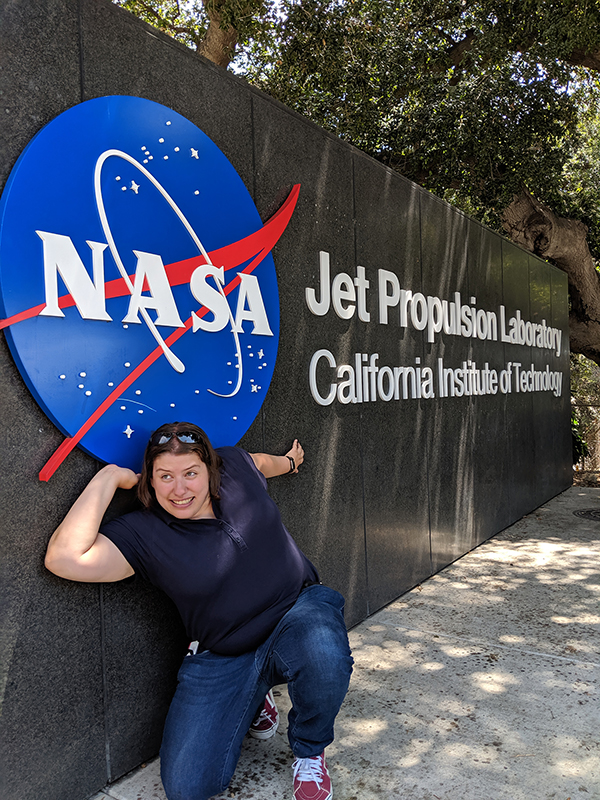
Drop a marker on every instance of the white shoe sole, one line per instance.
(265, 734)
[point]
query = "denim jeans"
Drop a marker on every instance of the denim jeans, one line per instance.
(218, 696)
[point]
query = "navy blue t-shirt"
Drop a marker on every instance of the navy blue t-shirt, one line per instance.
(231, 578)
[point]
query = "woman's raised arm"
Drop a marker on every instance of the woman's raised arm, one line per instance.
(271, 466)
(77, 550)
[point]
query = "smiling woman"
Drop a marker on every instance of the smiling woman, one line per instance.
(181, 486)
(212, 539)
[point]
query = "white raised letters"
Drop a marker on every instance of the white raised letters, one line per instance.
(60, 256)
(212, 298)
(344, 291)
(150, 290)
(255, 312)
(387, 299)
(320, 307)
(151, 269)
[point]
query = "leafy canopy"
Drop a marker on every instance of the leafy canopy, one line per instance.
(472, 99)
(188, 21)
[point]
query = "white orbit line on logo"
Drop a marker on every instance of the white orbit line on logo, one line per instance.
(137, 403)
(173, 360)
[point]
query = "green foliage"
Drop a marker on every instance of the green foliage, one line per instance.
(579, 193)
(585, 407)
(473, 100)
(585, 380)
(580, 448)
(188, 20)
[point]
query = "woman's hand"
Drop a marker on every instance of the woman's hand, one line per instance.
(271, 466)
(297, 453)
(125, 478)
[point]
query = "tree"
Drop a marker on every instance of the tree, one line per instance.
(215, 28)
(491, 104)
(585, 412)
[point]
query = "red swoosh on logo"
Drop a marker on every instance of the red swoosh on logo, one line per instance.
(258, 244)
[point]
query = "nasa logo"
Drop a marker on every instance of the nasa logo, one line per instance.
(136, 281)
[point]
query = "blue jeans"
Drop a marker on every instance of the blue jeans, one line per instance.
(218, 696)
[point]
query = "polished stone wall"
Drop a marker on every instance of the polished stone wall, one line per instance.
(391, 491)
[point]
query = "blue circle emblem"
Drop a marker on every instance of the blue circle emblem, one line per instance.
(136, 280)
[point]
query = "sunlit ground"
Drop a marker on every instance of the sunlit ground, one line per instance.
(481, 684)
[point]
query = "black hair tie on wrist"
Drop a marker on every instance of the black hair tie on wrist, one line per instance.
(292, 463)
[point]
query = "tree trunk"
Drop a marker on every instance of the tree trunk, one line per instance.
(562, 241)
(219, 43)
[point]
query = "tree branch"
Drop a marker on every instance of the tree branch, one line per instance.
(538, 229)
(580, 58)
(457, 52)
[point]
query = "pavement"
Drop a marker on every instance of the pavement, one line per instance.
(480, 684)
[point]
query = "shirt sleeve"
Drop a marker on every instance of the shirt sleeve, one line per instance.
(243, 460)
(125, 536)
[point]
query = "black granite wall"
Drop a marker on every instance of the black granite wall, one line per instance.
(391, 491)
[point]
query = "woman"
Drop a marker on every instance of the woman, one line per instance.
(210, 536)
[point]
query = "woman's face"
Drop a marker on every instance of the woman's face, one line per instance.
(181, 484)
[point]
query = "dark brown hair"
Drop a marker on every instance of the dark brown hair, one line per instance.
(199, 444)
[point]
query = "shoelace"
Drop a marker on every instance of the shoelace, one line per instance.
(308, 769)
(264, 714)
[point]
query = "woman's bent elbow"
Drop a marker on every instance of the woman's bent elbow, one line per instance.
(54, 565)
(64, 567)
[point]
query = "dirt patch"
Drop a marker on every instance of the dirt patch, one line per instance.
(586, 478)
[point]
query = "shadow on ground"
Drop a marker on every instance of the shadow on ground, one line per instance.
(481, 684)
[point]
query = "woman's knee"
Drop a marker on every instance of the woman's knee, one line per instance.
(326, 647)
(185, 781)
(314, 640)
(324, 670)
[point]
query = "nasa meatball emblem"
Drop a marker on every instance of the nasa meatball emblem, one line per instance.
(137, 284)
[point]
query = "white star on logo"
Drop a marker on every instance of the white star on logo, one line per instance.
(254, 388)
(194, 152)
(135, 186)
(128, 431)
(261, 353)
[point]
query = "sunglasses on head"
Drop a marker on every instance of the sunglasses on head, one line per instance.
(187, 437)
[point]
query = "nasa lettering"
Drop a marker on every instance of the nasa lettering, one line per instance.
(136, 280)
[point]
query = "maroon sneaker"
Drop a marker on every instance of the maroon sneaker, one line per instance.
(311, 779)
(266, 723)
